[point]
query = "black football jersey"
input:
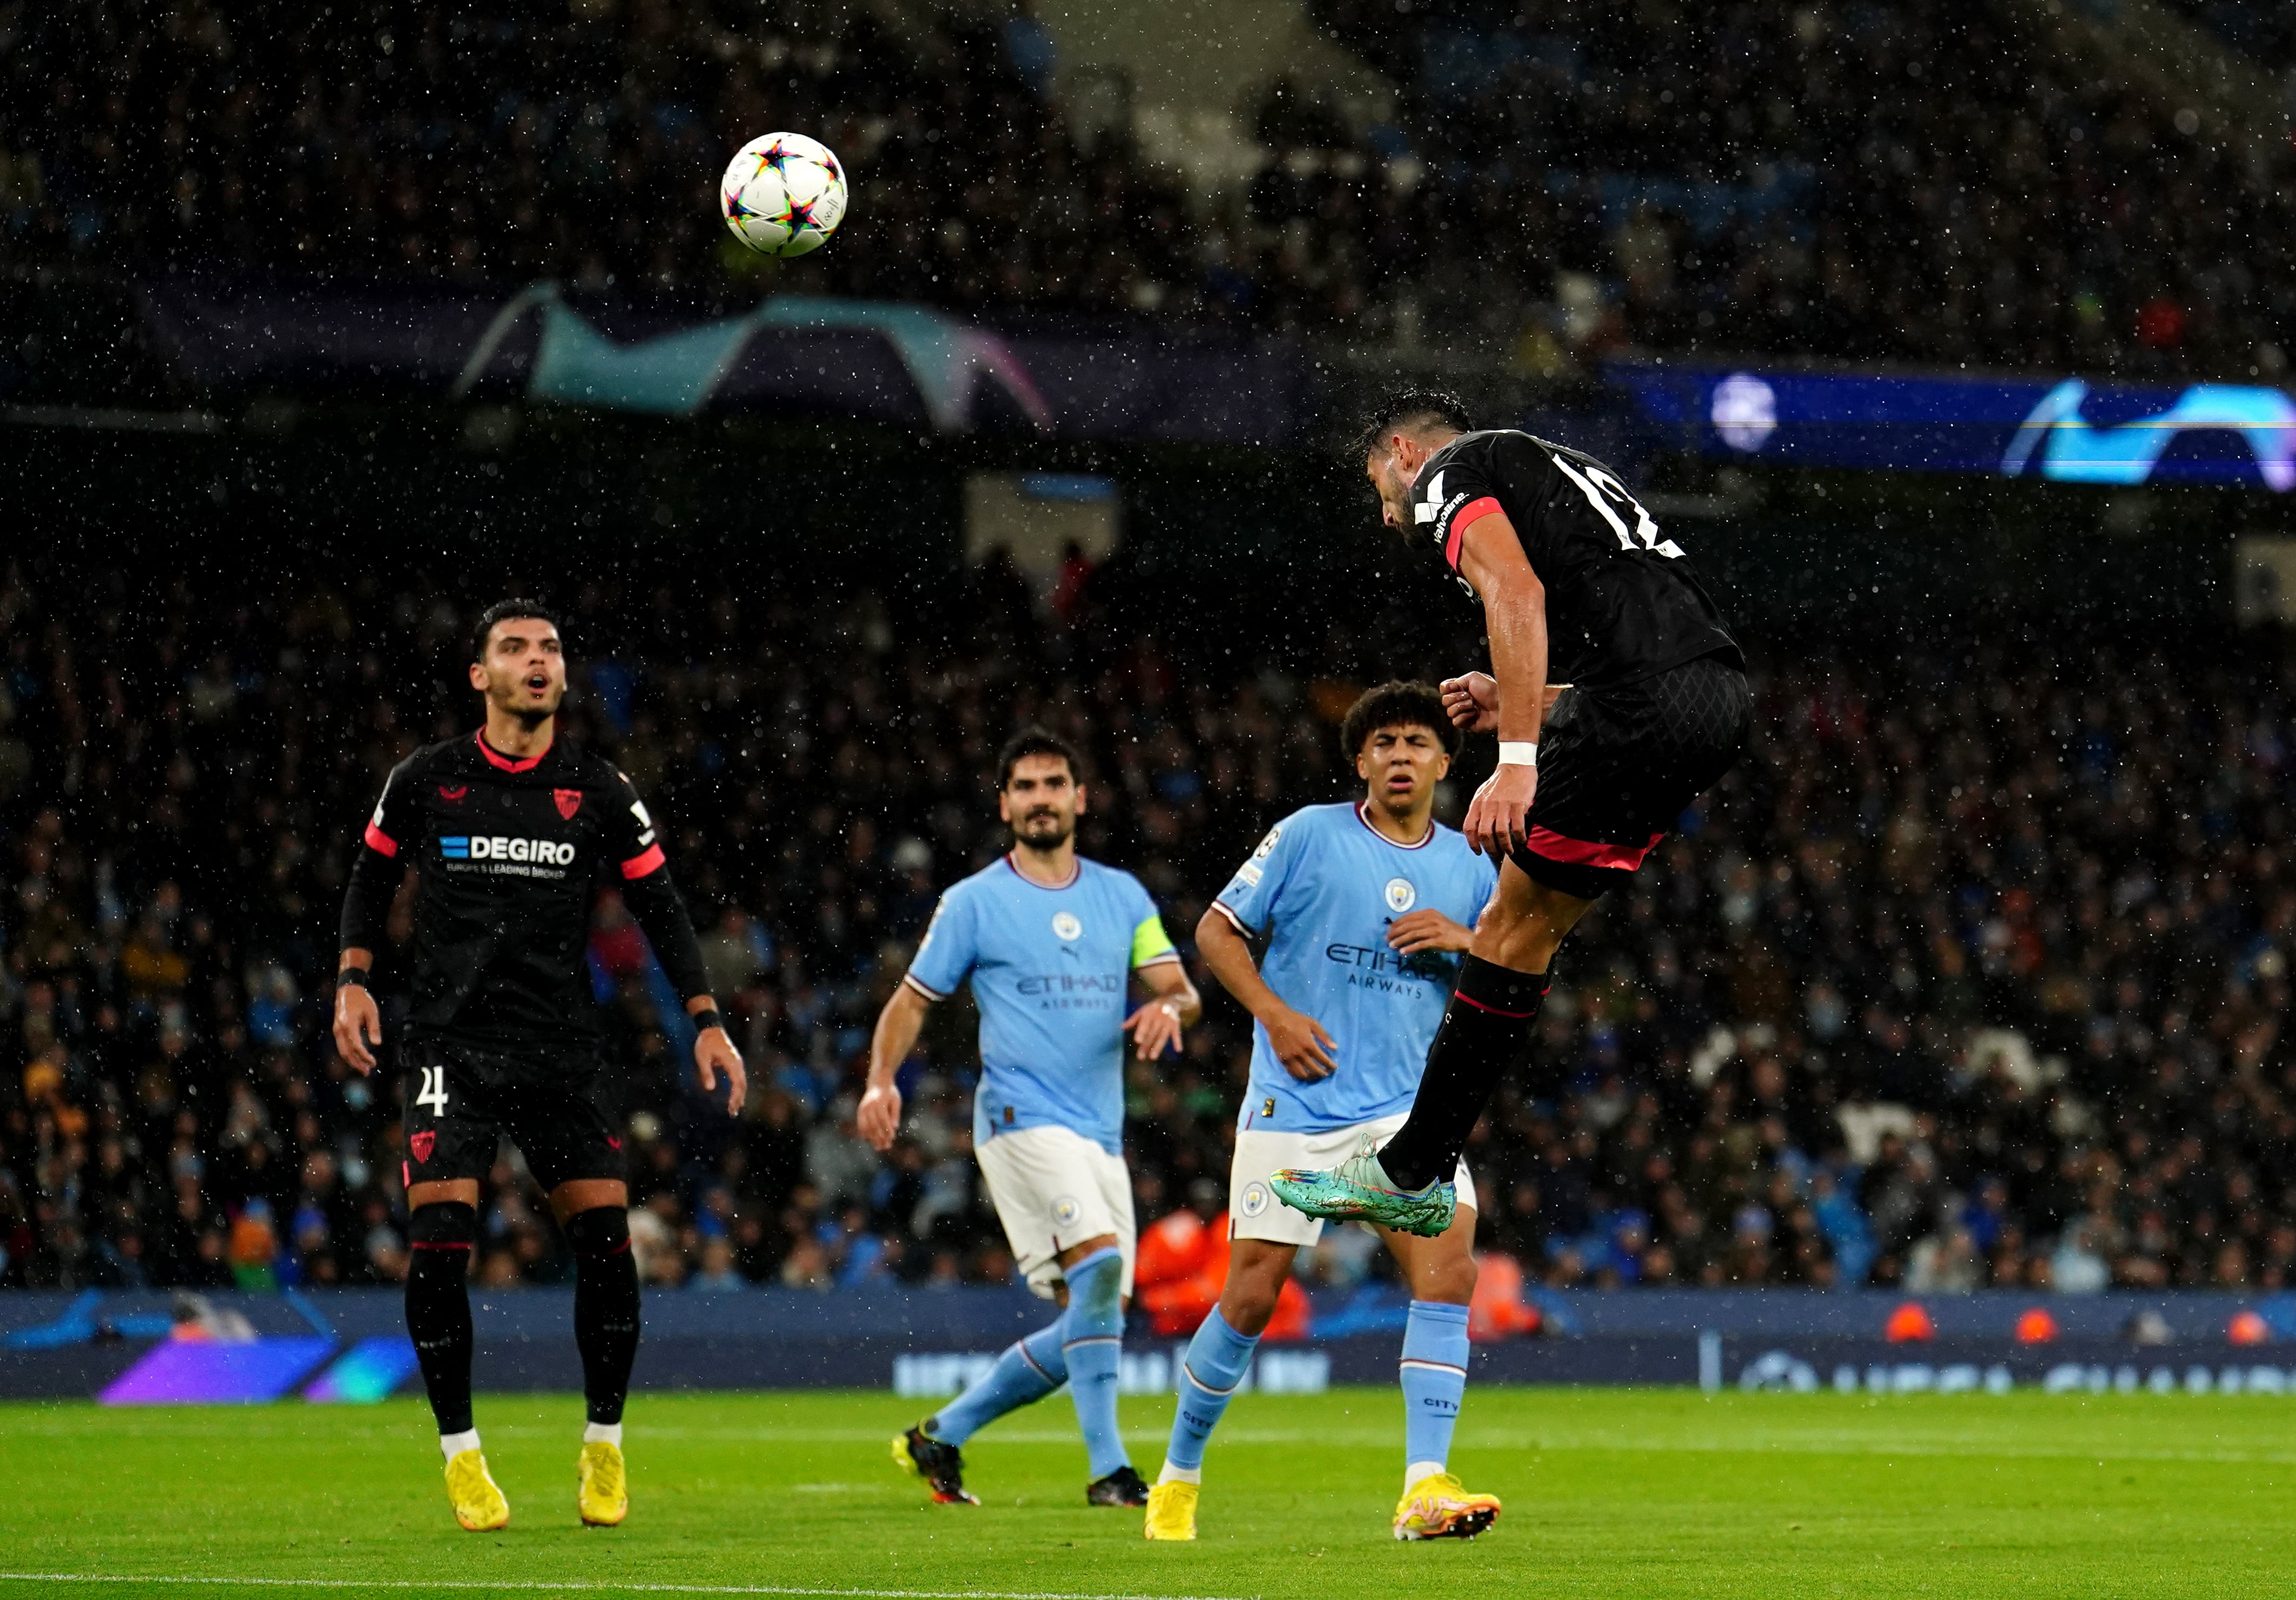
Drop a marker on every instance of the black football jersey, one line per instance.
(1622, 601)
(508, 856)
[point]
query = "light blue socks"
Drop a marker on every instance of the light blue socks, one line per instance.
(1026, 1373)
(1217, 1360)
(1434, 1373)
(1092, 1339)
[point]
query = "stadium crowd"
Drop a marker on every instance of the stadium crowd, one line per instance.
(1919, 181)
(1974, 972)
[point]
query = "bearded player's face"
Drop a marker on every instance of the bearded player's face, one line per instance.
(524, 669)
(1040, 801)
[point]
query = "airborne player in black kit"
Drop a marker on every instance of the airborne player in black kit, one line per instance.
(509, 830)
(1582, 591)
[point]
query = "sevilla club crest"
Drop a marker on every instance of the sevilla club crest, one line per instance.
(422, 1144)
(569, 801)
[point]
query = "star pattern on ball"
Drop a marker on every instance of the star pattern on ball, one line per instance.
(800, 215)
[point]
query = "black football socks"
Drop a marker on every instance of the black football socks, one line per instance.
(438, 1306)
(1486, 1033)
(605, 1307)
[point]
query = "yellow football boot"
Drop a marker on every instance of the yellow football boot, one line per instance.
(478, 1505)
(1172, 1511)
(1439, 1506)
(602, 1495)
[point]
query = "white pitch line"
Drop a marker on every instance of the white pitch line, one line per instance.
(577, 1586)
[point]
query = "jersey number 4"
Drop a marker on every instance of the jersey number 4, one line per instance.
(433, 1093)
(1600, 489)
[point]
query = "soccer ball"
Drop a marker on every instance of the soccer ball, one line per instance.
(783, 195)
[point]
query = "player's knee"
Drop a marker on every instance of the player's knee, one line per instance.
(1451, 1282)
(1096, 1285)
(1250, 1306)
(602, 1230)
(444, 1225)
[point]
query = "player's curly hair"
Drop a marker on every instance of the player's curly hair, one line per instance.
(1035, 741)
(1396, 704)
(502, 611)
(1409, 407)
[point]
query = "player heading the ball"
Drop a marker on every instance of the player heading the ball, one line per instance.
(1053, 945)
(1579, 585)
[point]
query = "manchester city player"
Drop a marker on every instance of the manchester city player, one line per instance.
(1365, 906)
(1052, 945)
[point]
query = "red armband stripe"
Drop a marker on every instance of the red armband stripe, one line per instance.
(380, 842)
(639, 866)
(1474, 511)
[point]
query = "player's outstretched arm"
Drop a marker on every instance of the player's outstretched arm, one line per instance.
(1514, 613)
(1299, 1040)
(879, 1117)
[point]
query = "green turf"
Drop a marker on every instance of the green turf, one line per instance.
(1608, 1493)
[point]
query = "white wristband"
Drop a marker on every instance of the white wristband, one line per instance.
(1518, 753)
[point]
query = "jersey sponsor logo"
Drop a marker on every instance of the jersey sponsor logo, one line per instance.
(569, 801)
(1400, 895)
(1384, 969)
(1071, 983)
(1255, 1198)
(421, 1144)
(495, 847)
(1066, 926)
(453, 793)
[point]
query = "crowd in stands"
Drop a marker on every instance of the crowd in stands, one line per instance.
(1975, 972)
(1919, 181)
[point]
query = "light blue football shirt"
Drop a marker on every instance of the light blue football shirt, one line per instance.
(1323, 887)
(1050, 971)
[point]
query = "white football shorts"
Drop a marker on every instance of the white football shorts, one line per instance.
(1253, 1211)
(1054, 1189)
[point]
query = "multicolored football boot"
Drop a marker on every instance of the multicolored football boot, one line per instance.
(941, 1465)
(1359, 1190)
(1439, 1506)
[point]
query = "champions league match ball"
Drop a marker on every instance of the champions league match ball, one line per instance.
(783, 195)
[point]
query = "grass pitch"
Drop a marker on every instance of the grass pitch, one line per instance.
(1608, 1493)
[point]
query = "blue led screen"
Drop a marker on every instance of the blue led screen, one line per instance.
(2064, 430)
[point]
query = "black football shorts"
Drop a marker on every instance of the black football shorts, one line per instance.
(1617, 767)
(459, 1100)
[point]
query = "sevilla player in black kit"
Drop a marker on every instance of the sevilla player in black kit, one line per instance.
(509, 830)
(1618, 697)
